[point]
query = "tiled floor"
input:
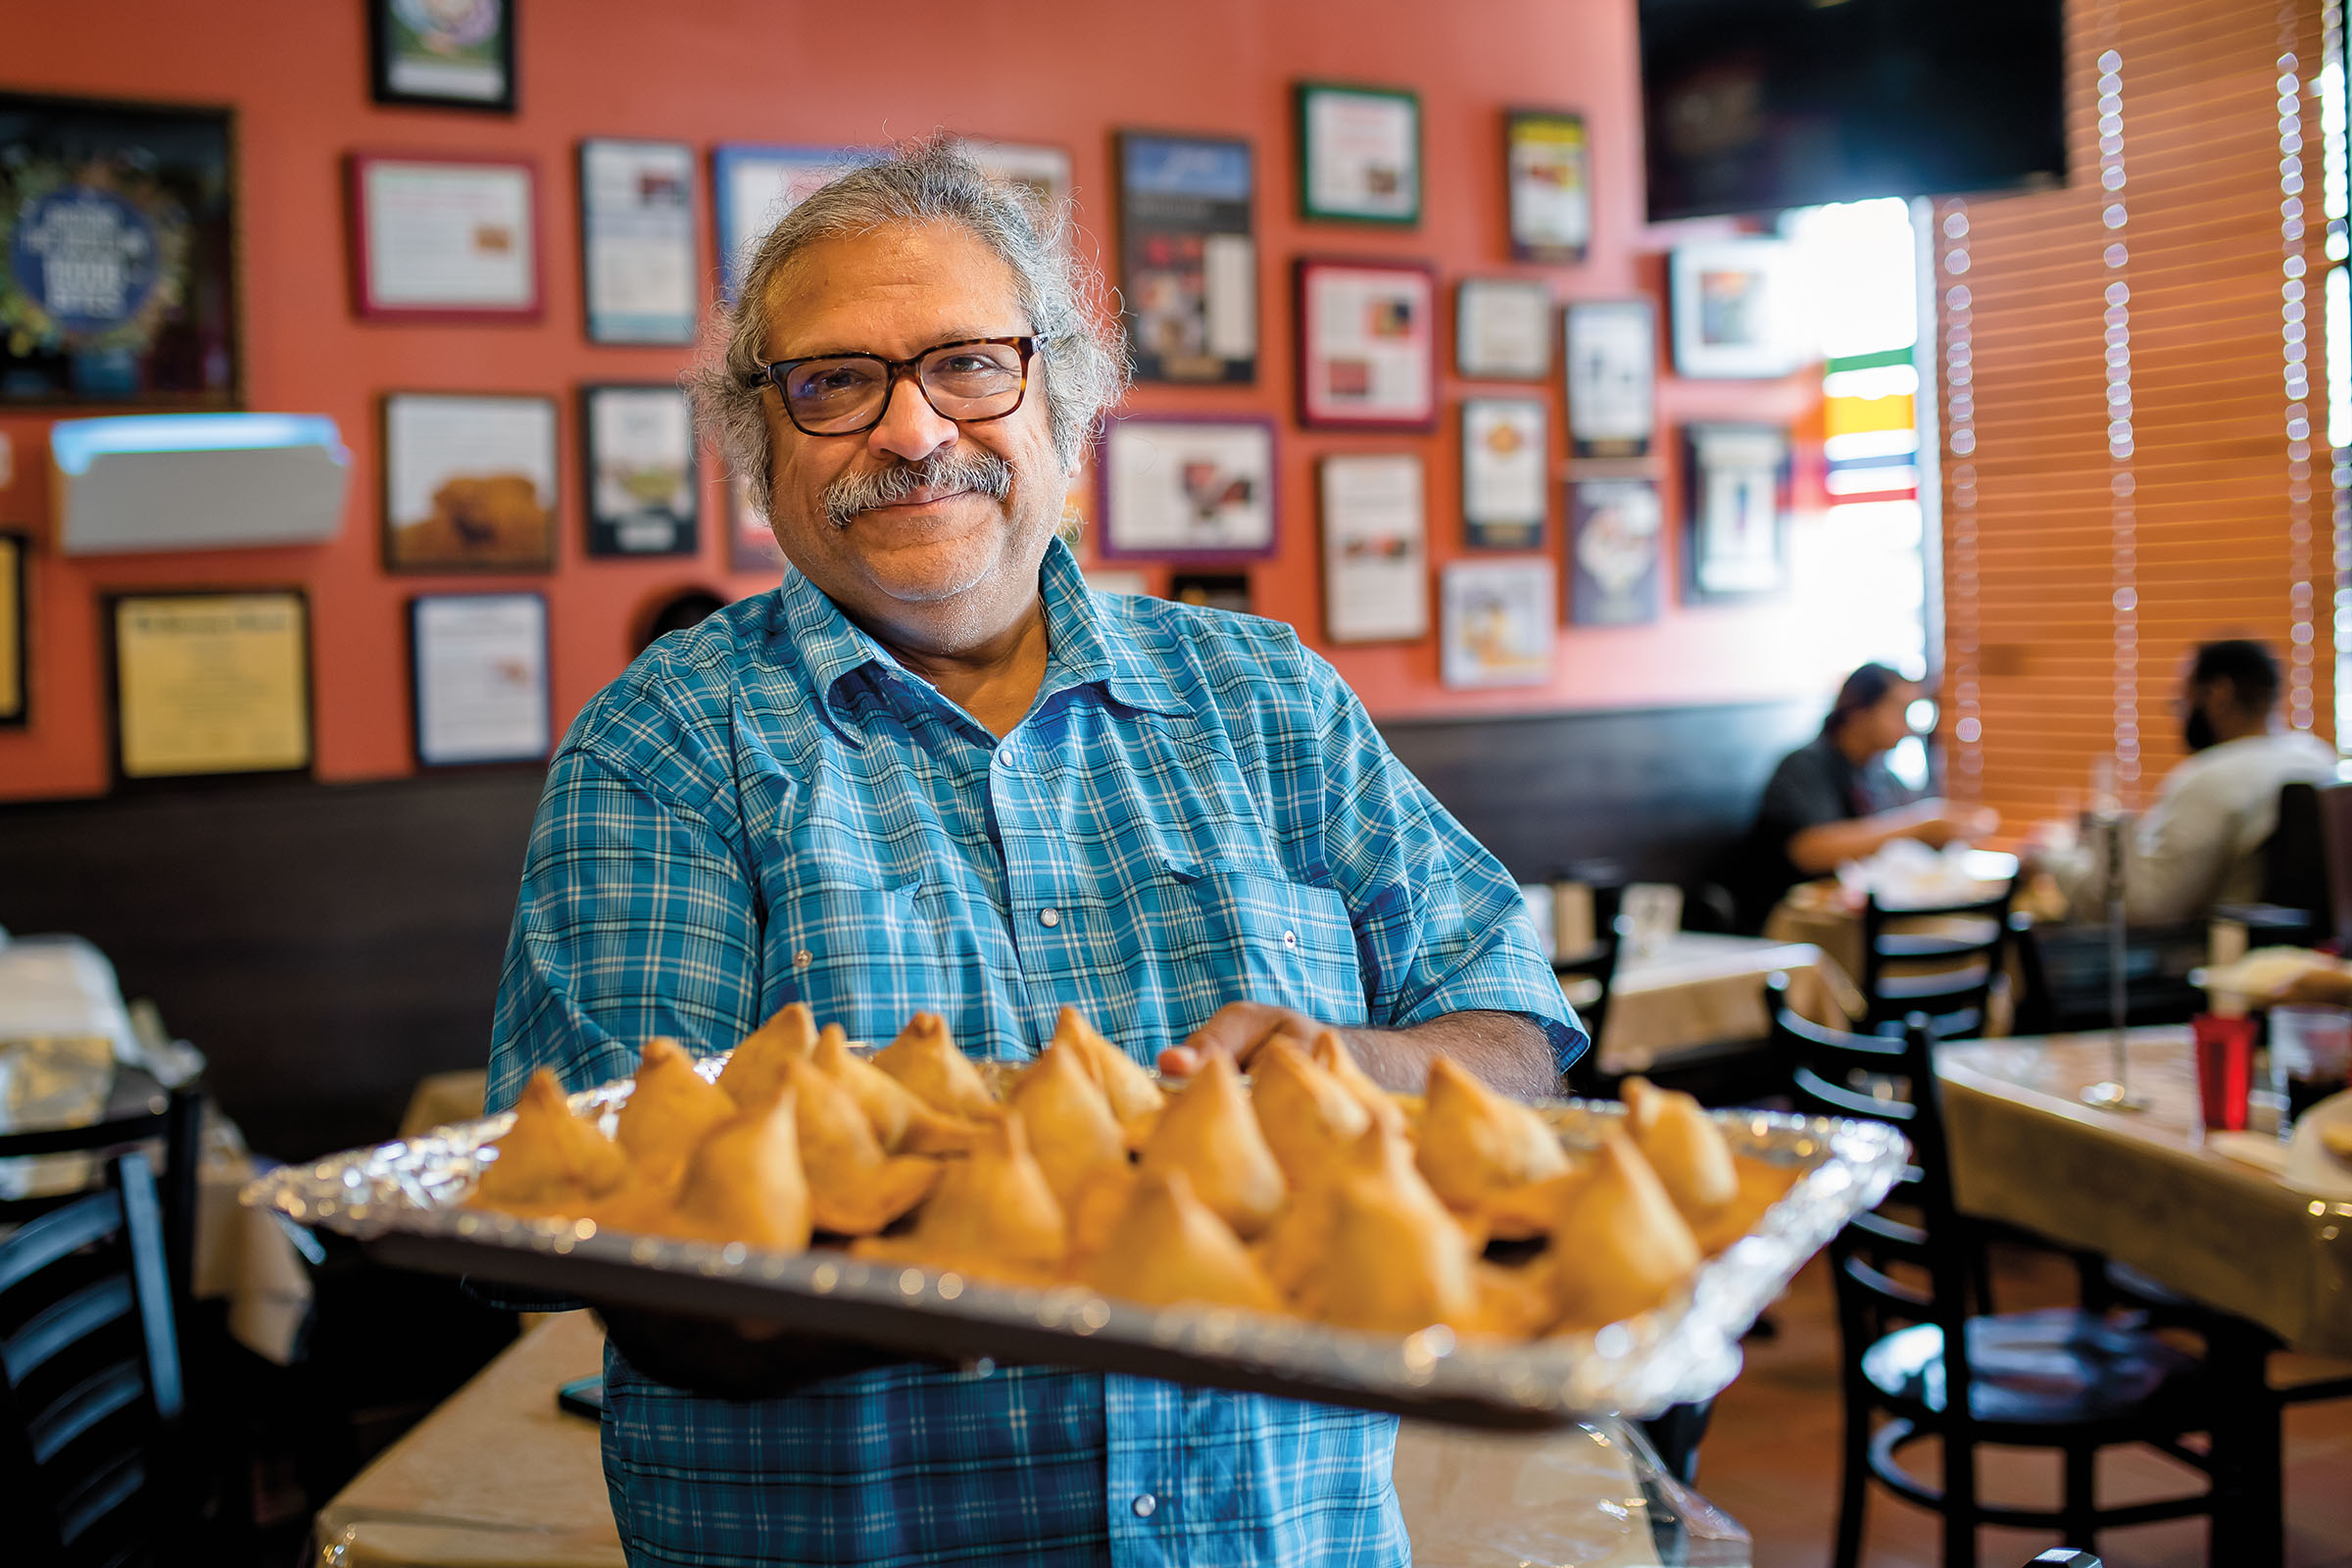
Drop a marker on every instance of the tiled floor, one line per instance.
(1770, 1457)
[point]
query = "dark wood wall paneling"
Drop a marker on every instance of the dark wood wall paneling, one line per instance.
(327, 945)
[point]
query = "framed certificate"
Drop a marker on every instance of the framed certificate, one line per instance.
(477, 670)
(1375, 548)
(1187, 259)
(1367, 345)
(1500, 623)
(210, 683)
(751, 542)
(451, 54)
(1737, 312)
(469, 484)
(1735, 487)
(637, 451)
(1043, 171)
(637, 267)
(755, 186)
(1502, 329)
(1615, 527)
(447, 237)
(1187, 486)
(1551, 171)
(15, 680)
(1612, 354)
(1506, 472)
(1359, 154)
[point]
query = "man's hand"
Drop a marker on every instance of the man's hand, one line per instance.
(1237, 1030)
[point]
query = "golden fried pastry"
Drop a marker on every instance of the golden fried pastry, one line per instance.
(1477, 1145)
(669, 1113)
(1761, 1185)
(926, 1061)
(1309, 1116)
(993, 1214)
(1523, 1213)
(550, 1161)
(1621, 1247)
(757, 1066)
(1100, 1209)
(1294, 1250)
(901, 1120)
(854, 1188)
(1135, 1098)
(1171, 1249)
(1211, 1134)
(745, 1182)
(1683, 1145)
(1392, 1266)
(1071, 1130)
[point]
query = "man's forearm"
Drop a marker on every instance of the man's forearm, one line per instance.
(1509, 1051)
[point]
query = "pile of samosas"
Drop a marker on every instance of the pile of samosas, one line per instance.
(1309, 1190)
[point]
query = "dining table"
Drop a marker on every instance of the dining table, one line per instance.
(1701, 990)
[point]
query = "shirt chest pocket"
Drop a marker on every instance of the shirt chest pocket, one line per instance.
(1232, 935)
(862, 956)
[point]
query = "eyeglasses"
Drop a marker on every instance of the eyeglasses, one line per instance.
(971, 381)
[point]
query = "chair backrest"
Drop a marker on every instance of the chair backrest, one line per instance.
(90, 1394)
(175, 1118)
(1938, 961)
(2334, 804)
(2295, 865)
(1597, 964)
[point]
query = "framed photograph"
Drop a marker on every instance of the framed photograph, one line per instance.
(1500, 626)
(210, 683)
(469, 482)
(1615, 526)
(16, 678)
(449, 54)
(1367, 345)
(1550, 171)
(1737, 312)
(1043, 171)
(1187, 486)
(445, 239)
(1211, 590)
(1187, 261)
(1736, 486)
(477, 674)
(1612, 354)
(1375, 548)
(1506, 472)
(1359, 154)
(1502, 329)
(117, 254)
(637, 451)
(751, 542)
(637, 267)
(755, 186)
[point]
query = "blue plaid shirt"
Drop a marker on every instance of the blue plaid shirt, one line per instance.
(1195, 810)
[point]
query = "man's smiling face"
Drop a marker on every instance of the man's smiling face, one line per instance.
(949, 564)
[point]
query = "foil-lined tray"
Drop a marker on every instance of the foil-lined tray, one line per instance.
(403, 1201)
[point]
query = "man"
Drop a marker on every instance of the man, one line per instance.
(1833, 800)
(2201, 844)
(932, 772)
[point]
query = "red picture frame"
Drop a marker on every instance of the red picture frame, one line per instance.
(474, 250)
(1367, 344)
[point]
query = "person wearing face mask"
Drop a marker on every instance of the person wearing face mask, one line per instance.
(2201, 843)
(1833, 800)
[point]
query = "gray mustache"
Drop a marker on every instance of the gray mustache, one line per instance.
(953, 469)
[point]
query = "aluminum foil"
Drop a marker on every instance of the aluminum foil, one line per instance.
(1686, 1350)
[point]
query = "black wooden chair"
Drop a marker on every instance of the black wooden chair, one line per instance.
(1915, 1354)
(90, 1399)
(1597, 964)
(173, 1120)
(1938, 961)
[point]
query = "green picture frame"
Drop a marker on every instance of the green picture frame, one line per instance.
(1360, 157)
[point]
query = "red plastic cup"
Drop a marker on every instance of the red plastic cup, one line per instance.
(2224, 1070)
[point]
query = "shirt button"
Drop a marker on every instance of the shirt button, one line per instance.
(1048, 917)
(800, 960)
(1289, 939)
(1145, 1504)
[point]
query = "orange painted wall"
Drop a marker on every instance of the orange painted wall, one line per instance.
(1066, 71)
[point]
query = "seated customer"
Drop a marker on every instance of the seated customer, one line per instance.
(1833, 800)
(2201, 843)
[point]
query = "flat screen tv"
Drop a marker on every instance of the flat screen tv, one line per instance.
(1753, 106)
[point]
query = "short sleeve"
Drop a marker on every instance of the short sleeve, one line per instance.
(1801, 794)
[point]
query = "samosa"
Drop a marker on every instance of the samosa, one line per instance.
(1294, 1249)
(1135, 1098)
(854, 1188)
(1170, 1248)
(1477, 1145)
(1392, 1267)
(903, 1124)
(993, 1214)
(669, 1113)
(926, 1060)
(550, 1161)
(757, 1066)
(1306, 1114)
(1685, 1147)
(1331, 1053)
(1620, 1248)
(745, 1183)
(1211, 1134)
(1071, 1130)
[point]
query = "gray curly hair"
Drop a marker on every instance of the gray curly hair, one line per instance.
(926, 181)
